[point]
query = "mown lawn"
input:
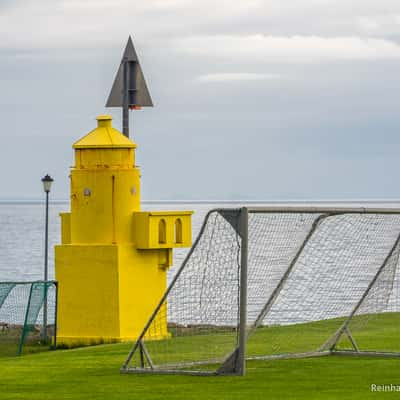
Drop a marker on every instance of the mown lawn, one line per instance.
(93, 372)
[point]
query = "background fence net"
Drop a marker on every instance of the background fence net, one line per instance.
(21, 316)
(316, 282)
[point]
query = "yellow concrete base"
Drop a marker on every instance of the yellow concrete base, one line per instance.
(108, 292)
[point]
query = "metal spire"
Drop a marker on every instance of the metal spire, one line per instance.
(129, 89)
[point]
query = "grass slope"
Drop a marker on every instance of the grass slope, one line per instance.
(93, 372)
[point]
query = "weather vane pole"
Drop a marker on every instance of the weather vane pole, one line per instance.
(129, 89)
(125, 105)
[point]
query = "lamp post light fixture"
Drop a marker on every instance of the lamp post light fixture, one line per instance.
(47, 181)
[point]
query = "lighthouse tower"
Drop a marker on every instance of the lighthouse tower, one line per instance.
(111, 265)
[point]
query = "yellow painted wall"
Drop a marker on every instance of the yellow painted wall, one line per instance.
(141, 285)
(102, 203)
(88, 304)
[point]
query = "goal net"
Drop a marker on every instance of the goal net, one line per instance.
(266, 283)
(21, 316)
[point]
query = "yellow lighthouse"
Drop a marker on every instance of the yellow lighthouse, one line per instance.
(113, 258)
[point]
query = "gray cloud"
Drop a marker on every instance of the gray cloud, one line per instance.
(255, 99)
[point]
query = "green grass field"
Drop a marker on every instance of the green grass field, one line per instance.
(93, 372)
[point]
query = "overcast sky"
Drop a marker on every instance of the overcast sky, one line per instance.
(253, 99)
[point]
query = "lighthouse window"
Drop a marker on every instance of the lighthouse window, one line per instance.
(178, 231)
(162, 232)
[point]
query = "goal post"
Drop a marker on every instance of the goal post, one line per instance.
(278, 282)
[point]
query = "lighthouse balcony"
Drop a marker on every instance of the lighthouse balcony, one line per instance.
(162, 229)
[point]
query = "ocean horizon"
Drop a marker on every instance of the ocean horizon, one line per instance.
(22, 228)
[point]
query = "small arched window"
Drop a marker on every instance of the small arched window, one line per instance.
(162, 232)
(178, 231)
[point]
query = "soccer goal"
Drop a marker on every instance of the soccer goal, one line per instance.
(22, 316)
(278, 282)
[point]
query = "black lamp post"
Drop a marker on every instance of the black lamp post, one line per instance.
(47, 181)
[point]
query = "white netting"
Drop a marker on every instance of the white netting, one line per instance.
(333, 270)
(196, 306)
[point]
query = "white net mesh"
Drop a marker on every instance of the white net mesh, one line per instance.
(195, 324)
